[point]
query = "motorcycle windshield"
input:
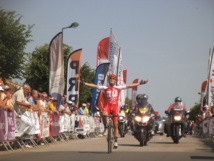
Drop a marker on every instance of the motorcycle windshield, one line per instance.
(143, 110)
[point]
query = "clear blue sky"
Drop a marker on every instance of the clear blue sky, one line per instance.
(165, 41)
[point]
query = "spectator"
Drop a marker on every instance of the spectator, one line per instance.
(53, 107)
(71, 107)
(63, 100)
(97, 112)
(43, 101)
(82, 110)
(33, 100)
(19, 100)
(64, 109)
(7, 100)
(212, 111)
(2, 95)
(88, 109)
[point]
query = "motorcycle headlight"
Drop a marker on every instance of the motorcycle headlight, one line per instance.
(177, 118)
(145, 119)
(120, 118)
(137, 118)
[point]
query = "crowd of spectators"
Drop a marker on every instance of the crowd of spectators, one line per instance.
(26, 99)
(203, 122)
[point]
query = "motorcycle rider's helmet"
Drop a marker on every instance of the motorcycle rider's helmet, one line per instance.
(142, 99)
(126, 106)
(178, 99)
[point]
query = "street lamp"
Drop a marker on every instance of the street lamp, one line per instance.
(73, 25)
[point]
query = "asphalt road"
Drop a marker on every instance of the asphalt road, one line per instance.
(95, 149)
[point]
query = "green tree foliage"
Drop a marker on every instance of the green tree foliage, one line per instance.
(129, 102)
(37, 71)
(87, 74)
(194, 112)
(13, 38)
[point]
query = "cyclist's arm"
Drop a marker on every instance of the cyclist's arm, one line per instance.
(136, 84)
(91, 85)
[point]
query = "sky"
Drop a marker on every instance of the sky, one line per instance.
(164, 41)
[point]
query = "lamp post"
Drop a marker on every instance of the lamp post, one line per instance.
(73, 25)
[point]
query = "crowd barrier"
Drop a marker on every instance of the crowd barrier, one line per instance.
(42, 128)
(205, 128)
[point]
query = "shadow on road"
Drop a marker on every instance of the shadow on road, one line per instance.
(202, 157)
(206, 142)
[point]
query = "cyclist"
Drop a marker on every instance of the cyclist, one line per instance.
(112, 94)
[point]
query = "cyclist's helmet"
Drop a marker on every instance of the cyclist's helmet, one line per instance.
(178, 99)
(112, 76)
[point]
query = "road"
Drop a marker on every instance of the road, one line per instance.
(95, 149)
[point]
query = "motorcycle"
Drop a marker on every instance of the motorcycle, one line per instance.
(143, 126)
(122, 126)
(177, 118)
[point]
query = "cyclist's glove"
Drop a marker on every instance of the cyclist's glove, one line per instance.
(82, 82)
(142, 82)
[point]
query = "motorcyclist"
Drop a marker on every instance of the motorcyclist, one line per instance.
(179, 105)
(126, 108)
(144, 106)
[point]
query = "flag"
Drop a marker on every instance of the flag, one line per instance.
(120, 80)
(113, 54)
(102, 51)
(99, 79)
(125, 76)
(134, 93)
(203, 89)
(56, 68)
(210, 100)
(73, 76)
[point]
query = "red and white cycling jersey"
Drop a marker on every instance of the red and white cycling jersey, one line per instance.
(112, 93)
(111, 99)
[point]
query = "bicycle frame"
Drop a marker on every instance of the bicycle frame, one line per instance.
(110, 135)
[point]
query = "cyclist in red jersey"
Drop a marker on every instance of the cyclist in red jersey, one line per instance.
(112, 94)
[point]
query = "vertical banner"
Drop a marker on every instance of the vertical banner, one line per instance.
(102, 51)
(134, 93)
(113, 54)
(73, 76)
(125, 76)
(7, 128)
(211, 81)
(99, 79)
(203, 89)
(56, 68)
(120, 80)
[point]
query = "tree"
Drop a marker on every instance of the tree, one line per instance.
(37, 71)
(194, 111)
(87, 74)
(129, 102)
(13, 39)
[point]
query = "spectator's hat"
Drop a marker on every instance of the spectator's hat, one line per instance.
(54, 99)
(84, 105)
(70, 102)
(6, 87)
(1, 89)
(206, 106)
